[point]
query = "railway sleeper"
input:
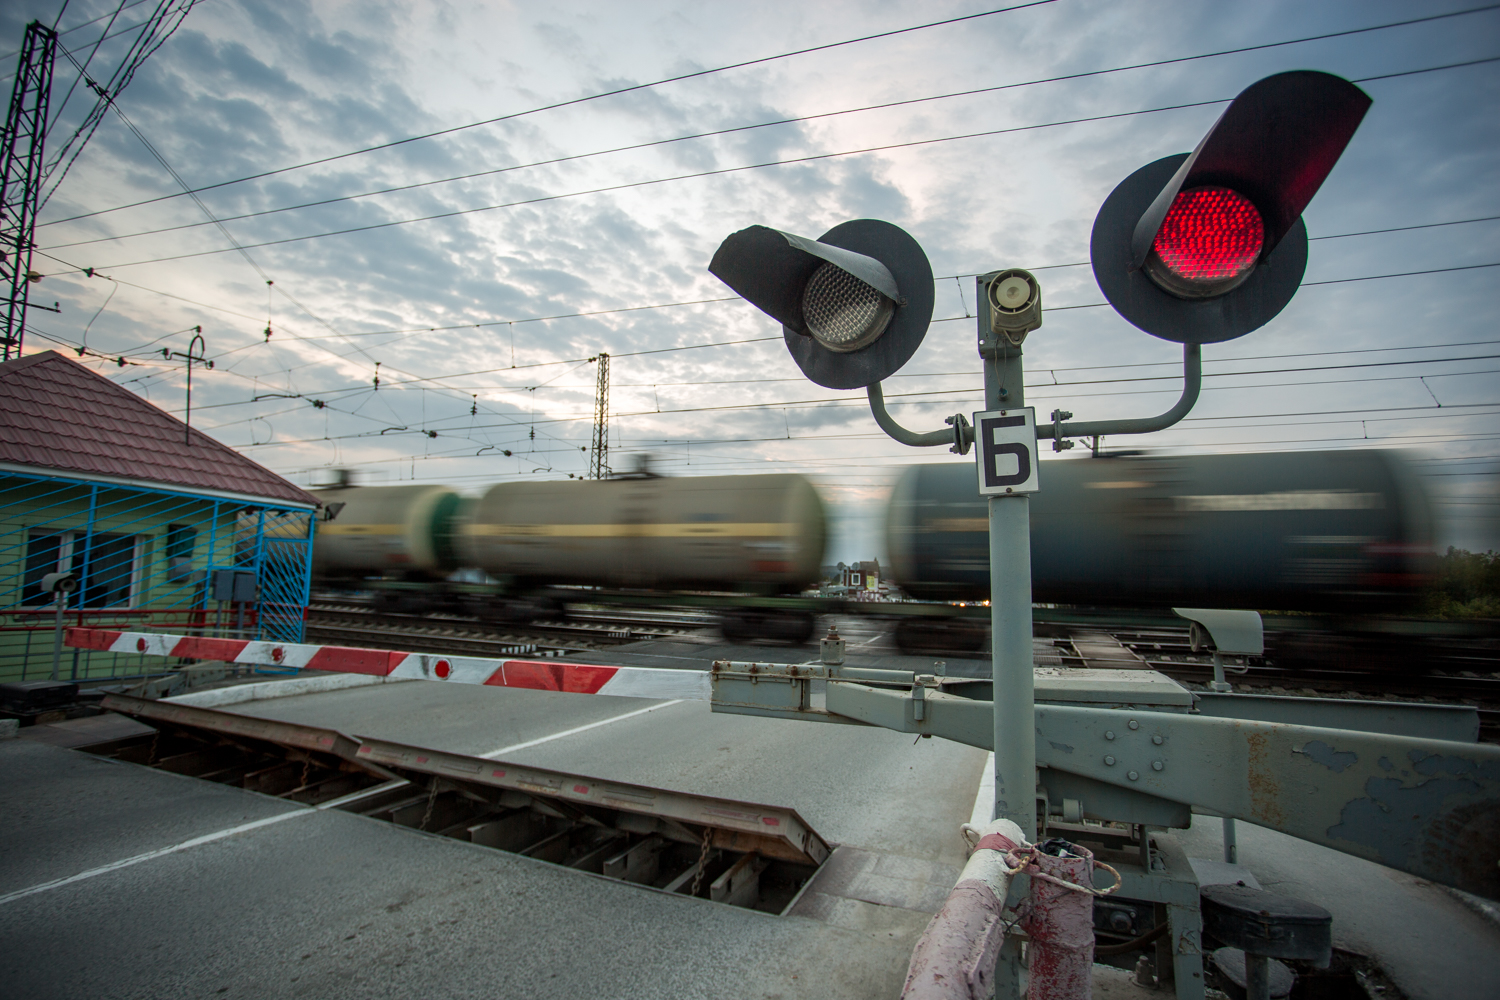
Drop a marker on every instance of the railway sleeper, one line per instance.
(664, 852)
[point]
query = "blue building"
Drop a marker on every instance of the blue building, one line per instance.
(98, 482)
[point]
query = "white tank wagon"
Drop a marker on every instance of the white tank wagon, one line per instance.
(398, 531)
(757, 534)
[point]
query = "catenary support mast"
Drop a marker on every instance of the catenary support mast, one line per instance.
(599, 453)
(21, 182)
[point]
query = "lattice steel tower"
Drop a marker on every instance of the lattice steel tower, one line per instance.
(21, 184)
(599, 455)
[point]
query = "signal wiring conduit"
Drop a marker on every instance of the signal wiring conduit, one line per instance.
(1192, 384)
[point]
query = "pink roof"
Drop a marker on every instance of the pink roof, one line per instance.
(60, 416)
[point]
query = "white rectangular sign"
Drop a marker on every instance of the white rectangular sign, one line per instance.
(1006, 451)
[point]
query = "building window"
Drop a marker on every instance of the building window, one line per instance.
(105, 563)
(181, 539)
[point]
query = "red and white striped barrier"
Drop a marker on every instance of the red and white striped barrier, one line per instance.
(540, 675)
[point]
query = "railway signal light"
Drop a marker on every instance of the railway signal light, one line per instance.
(1206, 246)
(854, 304)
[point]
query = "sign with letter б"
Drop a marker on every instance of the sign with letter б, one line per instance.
(1007, 451)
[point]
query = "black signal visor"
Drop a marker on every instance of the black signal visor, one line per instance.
(1274, 144)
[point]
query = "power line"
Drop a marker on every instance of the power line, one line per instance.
(159, 27)
(615, 93)
(651, 182)
(85, 24)
(242, 250)
(436, 379)
(854, 401)
(665, 305)
(1402, 274)
(1029, 83)
(1086, 368)
(634, 147)
(105, 38)
(324, 394)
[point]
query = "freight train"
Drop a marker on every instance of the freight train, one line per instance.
(1338, 531)
(1341, 531)
(755, 535)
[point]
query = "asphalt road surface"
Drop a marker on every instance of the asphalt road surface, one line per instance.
(321, 903)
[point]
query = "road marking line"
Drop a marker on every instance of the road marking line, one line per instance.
(365, 793)
(207, 838)
(582, 729)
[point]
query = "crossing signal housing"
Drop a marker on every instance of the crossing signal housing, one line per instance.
(1207, 246)
(854, 304)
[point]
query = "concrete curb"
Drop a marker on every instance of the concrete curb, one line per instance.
(291, 687)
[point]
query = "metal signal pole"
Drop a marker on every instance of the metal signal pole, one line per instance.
(21, 176)
(599, 456)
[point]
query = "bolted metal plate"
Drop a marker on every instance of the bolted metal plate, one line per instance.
(904, 258)
(1204, 321)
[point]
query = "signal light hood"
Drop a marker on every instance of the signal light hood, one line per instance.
(842, 335)
(770, 268)
(1274, 144)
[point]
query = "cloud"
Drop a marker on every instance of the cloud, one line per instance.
(240, 90)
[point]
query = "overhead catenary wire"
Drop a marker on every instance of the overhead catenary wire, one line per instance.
(1039, 385)
(484, 324)
(159, 27)
(690, 347)
(1407, 22)
(270, 284)
(395, 189)
(912, 398)
(573, 102)
(79, 27)
(432, 381)
(651, 182)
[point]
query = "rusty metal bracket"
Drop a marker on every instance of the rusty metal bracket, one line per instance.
(1425, 806)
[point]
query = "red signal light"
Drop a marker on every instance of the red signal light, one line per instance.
(1208, 243)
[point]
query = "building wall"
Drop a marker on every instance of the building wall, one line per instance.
(143, 559)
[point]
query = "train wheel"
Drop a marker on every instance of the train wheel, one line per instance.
(735, 628)
(504, 611)
(792, 628)
(942, 635)
(796, 627)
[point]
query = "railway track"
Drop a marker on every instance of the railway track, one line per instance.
(1472, 678)
(1469, 674)
(356, 625)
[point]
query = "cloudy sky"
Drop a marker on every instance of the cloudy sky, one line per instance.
(569, 169)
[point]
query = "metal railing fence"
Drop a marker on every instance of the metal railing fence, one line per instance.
(142, 557)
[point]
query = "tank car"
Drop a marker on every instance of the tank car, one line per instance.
(401, 532)
(1341, 531)
(761, 534)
